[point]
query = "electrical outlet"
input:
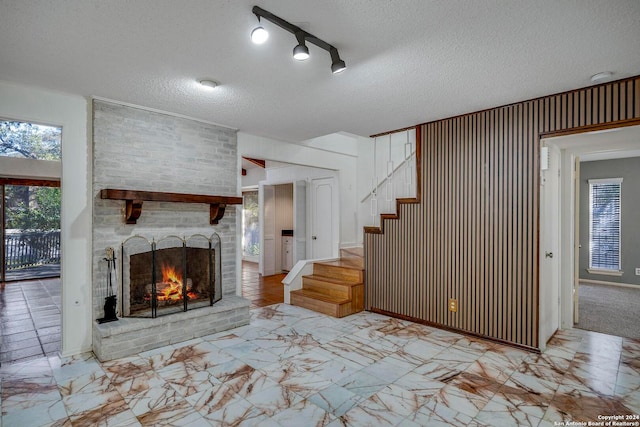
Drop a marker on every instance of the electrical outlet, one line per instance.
(453, 305)
(637, 271)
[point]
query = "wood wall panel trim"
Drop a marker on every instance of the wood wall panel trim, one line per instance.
(591, 128)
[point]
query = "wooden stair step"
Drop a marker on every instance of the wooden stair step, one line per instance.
(330, 280)
(332, 306)
(342, 270)
(328, 285)
(321, 297)
(335, 288)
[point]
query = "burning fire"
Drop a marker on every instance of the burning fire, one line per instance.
(171, 287)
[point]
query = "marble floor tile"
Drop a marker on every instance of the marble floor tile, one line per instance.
(335, 399)
(237, 412)
(307, 384)
(398, 400)
(459, 400)
(273, 399)
(40, 414)
(294, 367)
(371, 413)
(187, 379)
(252, 354)
(213, 399)
(303, 412)
(435, 414)
(419, 384)
(363, 383)
(571, 404)
(333, 369)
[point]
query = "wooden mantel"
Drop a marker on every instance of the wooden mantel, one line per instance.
(134, 199)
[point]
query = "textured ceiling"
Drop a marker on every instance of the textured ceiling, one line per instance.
(409, 61)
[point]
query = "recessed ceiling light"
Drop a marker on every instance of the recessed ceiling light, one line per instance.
(601, 77)
(209, 84)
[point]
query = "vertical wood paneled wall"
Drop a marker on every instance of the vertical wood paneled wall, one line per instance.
(474, 235)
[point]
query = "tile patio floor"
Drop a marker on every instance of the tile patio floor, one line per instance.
(30, 319)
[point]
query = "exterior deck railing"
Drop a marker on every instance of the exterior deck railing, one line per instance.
(31, 248)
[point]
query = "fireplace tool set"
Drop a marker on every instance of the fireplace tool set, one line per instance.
(110, 302)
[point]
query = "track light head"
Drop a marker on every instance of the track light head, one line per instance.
(337, 64)
(338, 67)
(300, 52)
(259, 35)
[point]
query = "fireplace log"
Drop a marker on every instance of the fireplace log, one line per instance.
(134, 199)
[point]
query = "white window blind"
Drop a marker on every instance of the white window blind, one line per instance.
(604, 223)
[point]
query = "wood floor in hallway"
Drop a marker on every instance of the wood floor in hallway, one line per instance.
(260, 290)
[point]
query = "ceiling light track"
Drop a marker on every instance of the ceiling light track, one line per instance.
(301, 51)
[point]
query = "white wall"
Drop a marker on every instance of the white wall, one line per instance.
(253, 177)
(341, 142)
(345, 166)
(296, 173)
(69, 111)
(15, 167)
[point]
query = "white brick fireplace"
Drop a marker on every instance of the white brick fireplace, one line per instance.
(140, 150)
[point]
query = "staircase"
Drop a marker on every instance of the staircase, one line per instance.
(336, 288)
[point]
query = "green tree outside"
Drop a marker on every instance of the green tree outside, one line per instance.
(32, 208)
(29, 140)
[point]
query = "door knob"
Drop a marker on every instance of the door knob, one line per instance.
(548, 254)
(314, 238)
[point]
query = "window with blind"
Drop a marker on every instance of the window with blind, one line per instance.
(604, 224)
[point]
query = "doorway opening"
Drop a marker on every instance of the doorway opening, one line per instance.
(250, 226)
(30, 252)
(31, 229)
(573, 235)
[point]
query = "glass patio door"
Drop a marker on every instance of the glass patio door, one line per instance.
(30, 243)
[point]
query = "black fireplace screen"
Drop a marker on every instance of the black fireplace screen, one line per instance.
(170, 275)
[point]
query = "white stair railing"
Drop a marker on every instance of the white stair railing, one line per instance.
(394, 175)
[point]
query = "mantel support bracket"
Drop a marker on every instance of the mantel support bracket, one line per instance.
(134, 199)
(133, 209)
(216, 212)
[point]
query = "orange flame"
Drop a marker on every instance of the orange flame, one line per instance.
(172, 285)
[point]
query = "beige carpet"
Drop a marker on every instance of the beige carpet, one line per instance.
(611, 310)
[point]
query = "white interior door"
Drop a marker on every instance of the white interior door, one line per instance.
(268, 234)
(549, 246)
(300, 220)
(323, 224)
(576, 240)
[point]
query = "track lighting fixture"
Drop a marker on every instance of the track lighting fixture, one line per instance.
(301, 52)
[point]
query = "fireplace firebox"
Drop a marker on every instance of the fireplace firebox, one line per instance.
(170, 275)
